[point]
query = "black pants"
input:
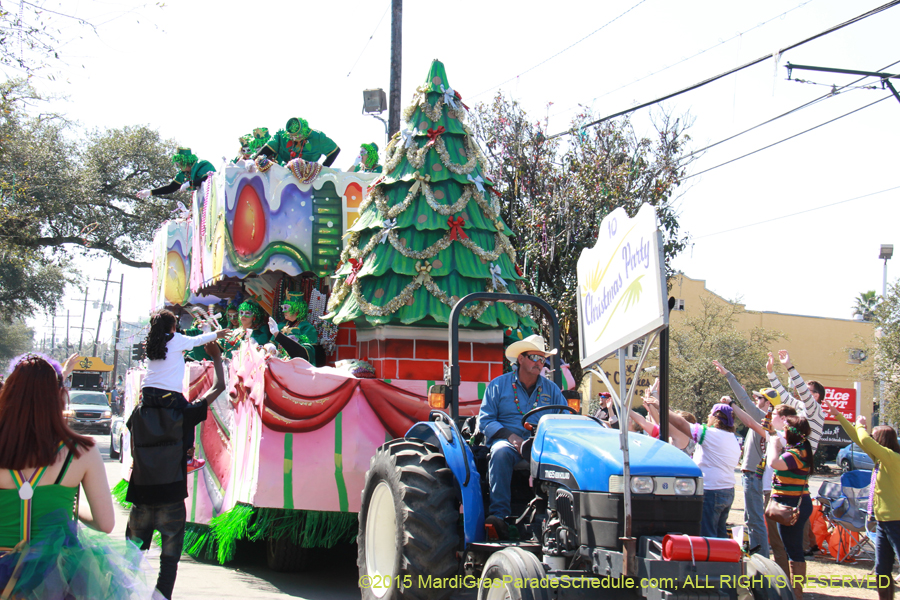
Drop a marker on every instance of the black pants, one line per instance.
(168, 520)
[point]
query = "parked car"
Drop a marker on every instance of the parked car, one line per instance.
(88, 412)
(117, 438)
(853, 457)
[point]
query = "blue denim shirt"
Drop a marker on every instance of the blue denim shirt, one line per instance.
(498, 407)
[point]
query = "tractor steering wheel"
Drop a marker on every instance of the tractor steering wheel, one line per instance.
(533, 411)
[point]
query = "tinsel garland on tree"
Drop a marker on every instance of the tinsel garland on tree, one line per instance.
(429, 230)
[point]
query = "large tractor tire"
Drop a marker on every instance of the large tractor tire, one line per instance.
(408, 525)
(516, 565)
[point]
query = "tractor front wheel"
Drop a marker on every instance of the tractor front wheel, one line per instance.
(504, 572)
(408, 524)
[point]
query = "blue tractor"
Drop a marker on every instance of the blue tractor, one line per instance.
(422, 523)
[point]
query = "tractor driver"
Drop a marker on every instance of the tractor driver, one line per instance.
(506, 399)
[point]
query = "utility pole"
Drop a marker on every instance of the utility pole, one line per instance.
(53, 333)
(83, 315)
(102, 305)
(396, 64)
(118, 334)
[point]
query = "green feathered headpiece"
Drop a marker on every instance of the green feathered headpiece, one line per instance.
(256, 309)
(296, 125)
(183, 157)
(371, 154)
(260, 138)
(296, 307)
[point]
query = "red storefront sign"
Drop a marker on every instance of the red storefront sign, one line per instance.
(844, 399)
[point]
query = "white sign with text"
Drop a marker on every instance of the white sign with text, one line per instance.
(621, 285)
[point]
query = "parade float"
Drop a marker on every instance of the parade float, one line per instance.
(380, 258)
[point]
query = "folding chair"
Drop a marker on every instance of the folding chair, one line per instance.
(844, 506)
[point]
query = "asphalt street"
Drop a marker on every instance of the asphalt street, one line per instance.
(332, 574)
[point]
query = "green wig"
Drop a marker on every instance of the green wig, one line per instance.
(256, 309)
(183, 157)
(371, 154)
(296, 125)
(297, 307)
(260, 138)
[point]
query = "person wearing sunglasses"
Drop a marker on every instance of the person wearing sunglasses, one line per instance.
(506, 399)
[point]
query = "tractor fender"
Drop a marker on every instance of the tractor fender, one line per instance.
(461, 461)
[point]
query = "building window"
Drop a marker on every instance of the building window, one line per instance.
(679, 304)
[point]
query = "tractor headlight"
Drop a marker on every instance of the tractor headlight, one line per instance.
(685, 487)
(642, 485)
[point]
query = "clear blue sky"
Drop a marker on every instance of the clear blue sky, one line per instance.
(205, 72)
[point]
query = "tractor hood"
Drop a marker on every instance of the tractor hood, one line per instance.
(579, 453)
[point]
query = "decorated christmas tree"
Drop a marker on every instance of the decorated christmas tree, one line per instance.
(429, 230)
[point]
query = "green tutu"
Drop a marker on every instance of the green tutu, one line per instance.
(71, 562)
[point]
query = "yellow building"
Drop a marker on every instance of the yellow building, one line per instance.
(821, 348)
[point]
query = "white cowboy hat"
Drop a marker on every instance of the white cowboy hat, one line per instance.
(533, 343)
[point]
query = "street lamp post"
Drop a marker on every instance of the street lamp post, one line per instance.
(375, 103)
(887, 251)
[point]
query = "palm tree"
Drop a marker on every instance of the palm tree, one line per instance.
(866, 303)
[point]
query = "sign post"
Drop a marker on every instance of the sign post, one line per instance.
(622, 298)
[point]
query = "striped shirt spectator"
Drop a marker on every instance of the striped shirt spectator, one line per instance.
(808, 405)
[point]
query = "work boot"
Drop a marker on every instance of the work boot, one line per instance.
(798, 569)
(501, 527)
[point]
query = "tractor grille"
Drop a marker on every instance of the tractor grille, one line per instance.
(565, 507)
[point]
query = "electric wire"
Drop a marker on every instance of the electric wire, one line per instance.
(756, 61)
(835, 91)
(363, 51)
(728, 162)
(558, 53)
(734, 37)
(808, 210)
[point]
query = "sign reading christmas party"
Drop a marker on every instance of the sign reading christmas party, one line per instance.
(621, 285)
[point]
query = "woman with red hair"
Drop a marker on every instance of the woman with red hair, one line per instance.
(43, 552)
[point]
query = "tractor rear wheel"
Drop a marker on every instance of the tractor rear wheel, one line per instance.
(408, 524)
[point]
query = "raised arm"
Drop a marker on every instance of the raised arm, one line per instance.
(740, 394)
(218, 386)
(749, 421)
(776, 384)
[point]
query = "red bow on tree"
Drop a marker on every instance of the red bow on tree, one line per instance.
(458, 97)
(356, 266)
(456, 228)
(433, 135)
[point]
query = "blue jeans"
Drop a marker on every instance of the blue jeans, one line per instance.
(887, 547)
(755, 512)
(168, 520)
(500, 469)
(716, 504)
(792, 535)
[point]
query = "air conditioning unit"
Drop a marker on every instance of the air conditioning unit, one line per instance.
(856, 356)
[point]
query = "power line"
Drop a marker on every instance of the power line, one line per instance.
(831, 94)
(734, 37)
(787, 138)
(363, 51)
(797, 213)
(700, 84)
(560, 52)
